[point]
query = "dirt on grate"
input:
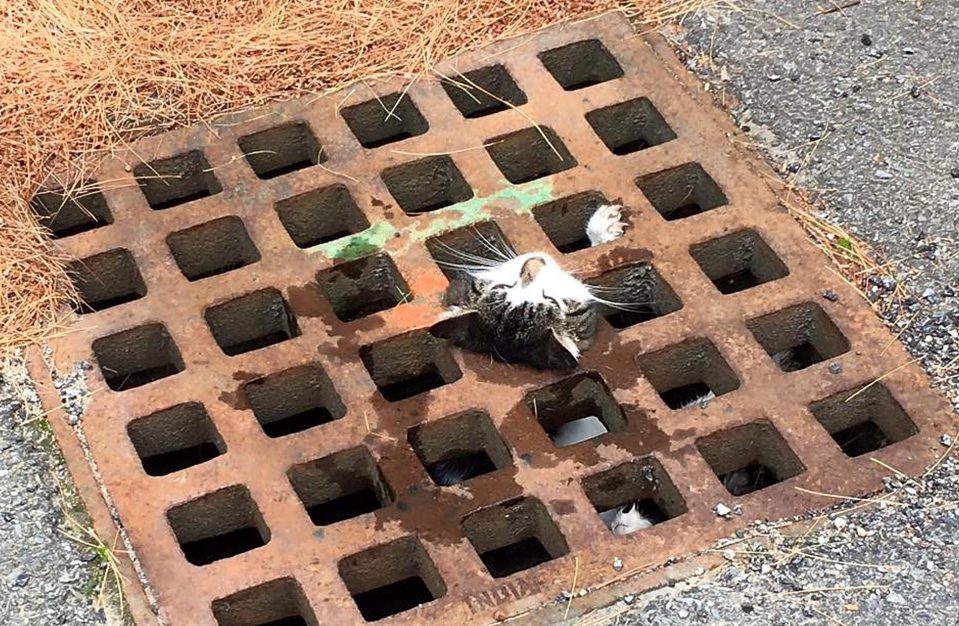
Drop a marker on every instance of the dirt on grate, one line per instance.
(85, 76)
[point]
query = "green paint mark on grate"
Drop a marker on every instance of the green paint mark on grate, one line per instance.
(520, 200)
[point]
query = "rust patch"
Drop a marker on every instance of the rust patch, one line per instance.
(306, 301)
(620, 256)
(311, 494)
(563, 507)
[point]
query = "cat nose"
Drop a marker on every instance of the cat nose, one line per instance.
(530, 269)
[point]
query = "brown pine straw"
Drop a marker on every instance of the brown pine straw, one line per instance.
(82, 77)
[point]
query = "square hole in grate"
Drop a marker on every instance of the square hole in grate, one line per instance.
(281, 150)
(863, 420)
(640, 294)
(514, 536)
(564, 220)
(293, 400)
(459, 447)
(280, 602)
(384, 120)
(575, 409)
(634, 496)
(484, 91)
(391, 578)
(175, 438)
(630, 126)
(70, 212)
(363, 287)
(426, 184)
(682, 191)
(738, 261)
(321, 215)
(252, 321)
(212, 248)
(750, 457)
(410, 364)
(469, 246)
(183, 178)
(529, 154)
(218, 525)
(581, 64)
(688, 374)
(340, 486)
(106, 279)
(137, 356)
(799, 336)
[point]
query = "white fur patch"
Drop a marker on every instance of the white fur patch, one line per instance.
(702, 401)
(568, 344)
(606, 224)
(578, 430)
(622, 523)
(550, 285)
(625, 523)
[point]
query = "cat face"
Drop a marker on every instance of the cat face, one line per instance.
(628, 519)
(625, 519)
(526, 309)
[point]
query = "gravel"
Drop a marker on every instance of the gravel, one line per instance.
(859, 105)
(45, 577)
(866, 120)
(887, 564)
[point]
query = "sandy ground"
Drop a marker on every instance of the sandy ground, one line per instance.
(868, 91)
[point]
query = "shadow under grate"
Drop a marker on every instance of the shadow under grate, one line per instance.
(279, 602)
(341, 486)
(175, 438)
(514, 536)
(68, 212)
(750, 457)
(391, 578)
(180, 179)
(409, 365)
(688, 374)
(864, 420)
(106, 280)
(281, 150)
(218, 525)
(459, 447)
(634, 294)
(642, 483)
(293, 400)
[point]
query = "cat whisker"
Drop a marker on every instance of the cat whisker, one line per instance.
(505, 255)
(625, 306)
(466, 256)
(604, 288)
(462, 266)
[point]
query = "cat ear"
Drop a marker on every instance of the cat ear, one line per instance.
(561, 351)
(465, 331)
(460, 293)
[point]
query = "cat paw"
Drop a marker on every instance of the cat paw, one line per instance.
(606, 224)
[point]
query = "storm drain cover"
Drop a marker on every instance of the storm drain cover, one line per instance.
(272, 414)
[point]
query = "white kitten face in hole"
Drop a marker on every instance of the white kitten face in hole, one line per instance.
(625, 519)
(536, 278)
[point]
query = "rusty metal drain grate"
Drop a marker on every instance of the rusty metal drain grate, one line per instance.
(274, 415)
